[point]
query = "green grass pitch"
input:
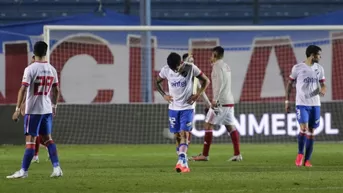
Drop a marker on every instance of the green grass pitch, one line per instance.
(150, 169)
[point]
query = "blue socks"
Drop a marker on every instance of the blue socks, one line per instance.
(28, 155)
(30, 152)
(305, 140)
(301, 142)
(309, 147)
(53, 153)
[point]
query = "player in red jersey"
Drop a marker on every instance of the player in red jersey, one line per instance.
(222, 106)
(38, 138)
(38, 80)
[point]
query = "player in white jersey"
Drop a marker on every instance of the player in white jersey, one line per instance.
(181, 98)
(187, 58)
(38, 80)
(35, 158)
(309, 77)
(38, 142)
(222, 107)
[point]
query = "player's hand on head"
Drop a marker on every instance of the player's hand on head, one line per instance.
(193, 98)
(168, 98)
(190, 59)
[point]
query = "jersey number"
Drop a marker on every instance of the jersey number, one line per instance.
(172, 121)
(43, 85)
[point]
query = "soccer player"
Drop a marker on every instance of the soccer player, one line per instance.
(38, 80)
(38, 138)
(222, 106)
(181, 98)
(186, 58)
(309, 77)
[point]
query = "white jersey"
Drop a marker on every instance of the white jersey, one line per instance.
(180, 85)
(39, 77)
(308, 80)
(221, 83)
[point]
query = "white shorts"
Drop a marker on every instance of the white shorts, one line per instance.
(224, 116)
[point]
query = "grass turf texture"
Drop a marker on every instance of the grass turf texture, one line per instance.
(150, 169)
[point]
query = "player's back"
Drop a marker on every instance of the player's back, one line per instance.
(40, 77)
(221, 74)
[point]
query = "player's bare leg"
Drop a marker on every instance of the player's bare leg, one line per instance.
(177, 137)
(309, 147)
(182, 164)
(204, 156)
(57, 171)
(28, 155)
(234, 134)
(301, 144)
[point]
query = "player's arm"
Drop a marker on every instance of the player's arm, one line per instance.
(289, 86)
(204, 96)
(22, 107)
(322, 88)
(21, 97)
(55, 93)
(289, 89)
(21, 93)
(322, 83)
(159, 87)
(217, 86)
(204, 82)
(158, 83)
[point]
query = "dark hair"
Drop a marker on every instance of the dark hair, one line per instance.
(173, 60)
(312, 49)
(219, 50)
(185, 56)
(40, 48)
(33, 57)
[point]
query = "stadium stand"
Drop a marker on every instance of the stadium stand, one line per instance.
(193, 11)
